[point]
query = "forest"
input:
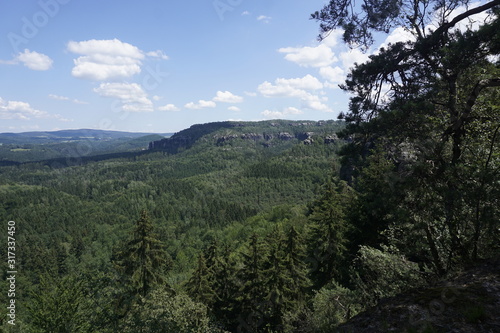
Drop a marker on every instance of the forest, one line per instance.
(273, 226)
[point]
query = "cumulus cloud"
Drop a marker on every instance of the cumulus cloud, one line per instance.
(31, 59)
(131, 95)
(297, 88)
(169, 107)
(234, 108)
(318, 56)
(23, 111)
(351, 57)
(34, 60)
(103, 60)
(201, 104)
(333, 75)
(290, 87)
(281, 114)
(314, 102)
(227, 97)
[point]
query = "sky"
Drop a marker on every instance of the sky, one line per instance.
(162, 66)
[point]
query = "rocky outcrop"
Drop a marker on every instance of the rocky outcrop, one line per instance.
(285, 136)
(266, 133)
(467, 303)
(332, 138)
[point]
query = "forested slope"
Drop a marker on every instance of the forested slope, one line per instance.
(230, 181)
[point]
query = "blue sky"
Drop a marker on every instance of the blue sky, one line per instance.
(161, 66)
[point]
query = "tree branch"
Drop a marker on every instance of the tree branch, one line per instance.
(486, 83)
(458, 18)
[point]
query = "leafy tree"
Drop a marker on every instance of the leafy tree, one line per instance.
(59, 306)
(382, 273)
(161, 311)
(333, 305)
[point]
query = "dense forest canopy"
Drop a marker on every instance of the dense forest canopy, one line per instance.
(277, 226)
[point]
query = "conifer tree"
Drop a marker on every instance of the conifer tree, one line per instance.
(225, 285)
(199, 286)
(251, 301)
(278, 282)
(328, 233)
(295, 254)
(143, 260)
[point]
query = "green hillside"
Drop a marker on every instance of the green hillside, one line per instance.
(215, 182)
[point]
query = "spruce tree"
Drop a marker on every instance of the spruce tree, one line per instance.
(277, 282)
(327, 243)
(199, 286)
(142, 261)
(251, 304)
(295, 254)
(225, 285)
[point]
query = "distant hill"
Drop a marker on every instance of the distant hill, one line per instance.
(94, 145)
(37, 146)
(68, 135)
(266, 133)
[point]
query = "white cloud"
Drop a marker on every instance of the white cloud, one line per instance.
(400, 34)
(169, 107)
(351, 57)
(264, 18)
(158, 54)
(297, 88)
(281, 114)
(319, 56)
(23, 111)
(290, 87)
(131, 95)
(227, 97)
(333, 38)
(202, 104)
(35, 61)
(246, 12)
(103, 60)
(333, 75)
(234, 108)
(315, 102)
(31, 59)
(59, 98)
(64, 98)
